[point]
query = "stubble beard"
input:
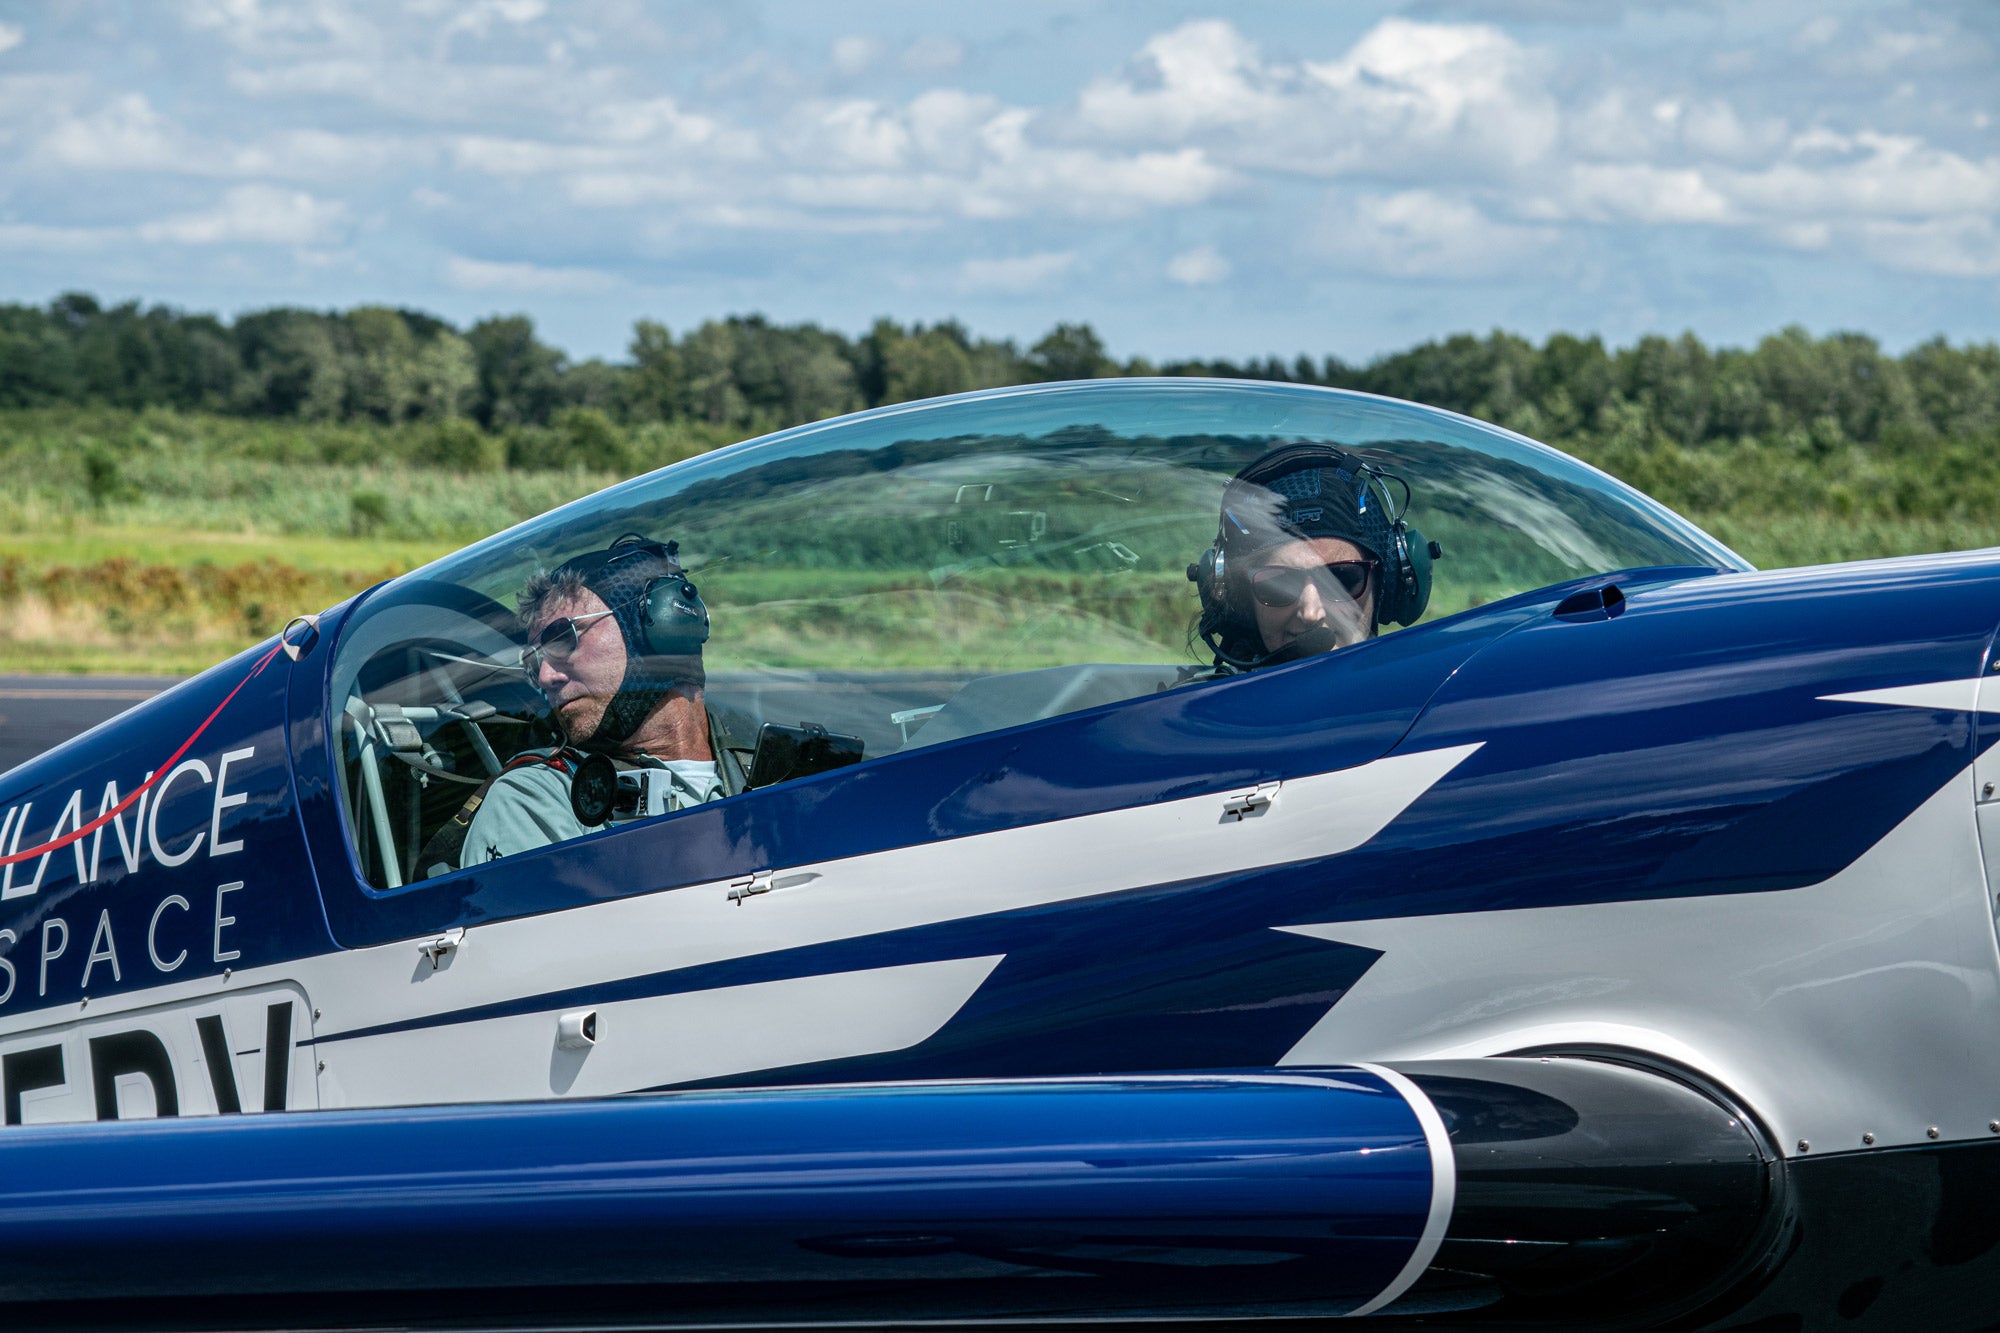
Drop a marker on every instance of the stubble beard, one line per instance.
(580, 718)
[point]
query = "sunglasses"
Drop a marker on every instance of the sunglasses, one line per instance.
(558, 640)
(1280, 586)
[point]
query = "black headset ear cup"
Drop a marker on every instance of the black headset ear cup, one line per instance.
(675, 617)
(1407, 582)
(1206, 574)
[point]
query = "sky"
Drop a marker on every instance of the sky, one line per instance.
(1193, 180)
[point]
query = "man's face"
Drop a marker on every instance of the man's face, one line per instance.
(581, 685)
(1322, 601)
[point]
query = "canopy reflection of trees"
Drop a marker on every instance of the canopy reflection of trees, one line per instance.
(744, 375)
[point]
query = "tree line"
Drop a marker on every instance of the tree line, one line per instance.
(744, 374)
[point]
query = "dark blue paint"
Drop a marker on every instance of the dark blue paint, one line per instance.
(1218, 1192)
(278, 912)
(1683, 747)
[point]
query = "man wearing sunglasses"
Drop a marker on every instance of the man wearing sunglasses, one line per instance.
(613, 640)
(1311, 553)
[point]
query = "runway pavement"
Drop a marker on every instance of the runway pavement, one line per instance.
(37, 712)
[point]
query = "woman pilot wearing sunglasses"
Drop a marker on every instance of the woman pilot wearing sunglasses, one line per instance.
(1311, 553)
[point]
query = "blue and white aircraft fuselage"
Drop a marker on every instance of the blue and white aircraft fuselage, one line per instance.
(1584, 951)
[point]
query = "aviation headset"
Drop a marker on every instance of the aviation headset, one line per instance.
(1300, 491)
(661, 617)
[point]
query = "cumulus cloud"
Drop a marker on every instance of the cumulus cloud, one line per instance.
(319, 155)
(1407, 100)
(1466, 92)
(861, 134)
(1633, 192)
(854, 53)
(127, 134)
(1423, 234)
(421, 93)
(1202, 266)
(1887, 52)
(268, 27)
(257, 215)
(479, 275)
(1880, 175)
(1804, 197)
(1198, 76)
(11, 36)
(29, 236)
(1962, 247)
(1021, 273)
(1625, 123)
(944, 153)
(478, 18)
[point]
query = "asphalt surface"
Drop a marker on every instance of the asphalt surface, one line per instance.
(39, 712)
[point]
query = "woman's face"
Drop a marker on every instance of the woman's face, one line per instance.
(1322, 598)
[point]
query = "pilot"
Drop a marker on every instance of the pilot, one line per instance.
(1311, 553)
(614, 640)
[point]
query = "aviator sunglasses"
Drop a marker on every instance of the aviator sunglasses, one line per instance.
(1280, 586)
(558, 639)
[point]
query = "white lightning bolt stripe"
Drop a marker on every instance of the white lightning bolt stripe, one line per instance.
(1960, 696)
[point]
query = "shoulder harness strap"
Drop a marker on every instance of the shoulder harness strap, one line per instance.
(443, 848)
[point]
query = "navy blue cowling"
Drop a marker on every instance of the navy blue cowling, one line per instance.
(1301, 1193)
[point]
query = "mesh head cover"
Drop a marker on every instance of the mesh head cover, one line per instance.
(1303, 491)
(620, 575)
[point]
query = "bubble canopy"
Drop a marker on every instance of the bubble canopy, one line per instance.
(1519, 514)
(865, 572)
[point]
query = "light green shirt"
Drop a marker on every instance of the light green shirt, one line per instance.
(528, 807)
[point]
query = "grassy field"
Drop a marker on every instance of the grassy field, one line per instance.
(148, 542)
(160, 543)
(84, 597)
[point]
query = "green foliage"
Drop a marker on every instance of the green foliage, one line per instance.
(371, 512)
(519, 379)
(592, 441)
(743, 375)
(103, 480)
(1070, 352)
(457, 445)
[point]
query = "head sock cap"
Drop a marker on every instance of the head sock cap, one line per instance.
(1303, 492)
(621, 576)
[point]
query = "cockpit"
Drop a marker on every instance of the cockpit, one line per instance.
(921, 574)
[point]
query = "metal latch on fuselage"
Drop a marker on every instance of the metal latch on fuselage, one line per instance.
(1239, 806)
(438, 949)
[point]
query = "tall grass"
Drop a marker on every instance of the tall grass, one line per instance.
(213, 474)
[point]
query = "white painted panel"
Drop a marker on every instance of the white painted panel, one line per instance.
(665, 1039)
